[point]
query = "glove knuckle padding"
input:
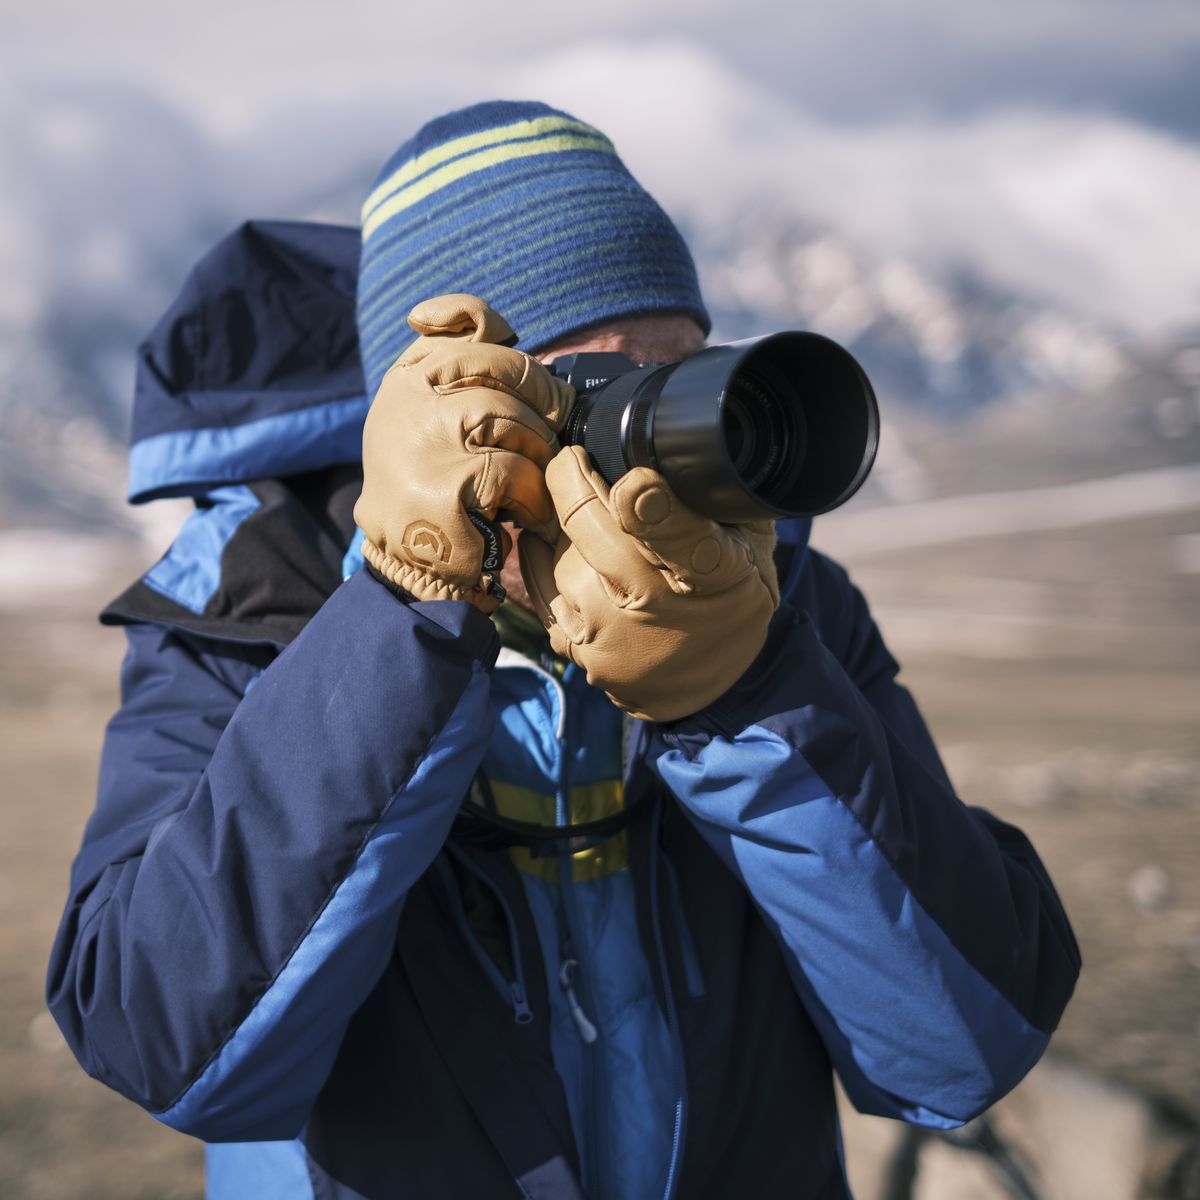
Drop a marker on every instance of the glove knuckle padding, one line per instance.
(694, 553)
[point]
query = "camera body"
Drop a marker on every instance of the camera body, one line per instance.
(617, 438)
(784, 425)
(589, 371)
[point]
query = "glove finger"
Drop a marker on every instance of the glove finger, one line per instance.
(567, 630)
(564, 624)
(580, 496)
(509, 484)
(490, 418)
(696, 553)
(461, 315)
(456, 366)
(537, 570)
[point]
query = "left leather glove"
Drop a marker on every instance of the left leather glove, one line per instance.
(664, 609)
(459, 432)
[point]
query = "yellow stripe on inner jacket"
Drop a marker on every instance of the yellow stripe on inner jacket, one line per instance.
(591, 802)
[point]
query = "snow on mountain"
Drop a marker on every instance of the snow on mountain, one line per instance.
(948, 343)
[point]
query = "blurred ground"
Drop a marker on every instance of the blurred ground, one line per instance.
(1058, 670)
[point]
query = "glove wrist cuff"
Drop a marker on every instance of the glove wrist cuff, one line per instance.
(403, 596)
(419, 584)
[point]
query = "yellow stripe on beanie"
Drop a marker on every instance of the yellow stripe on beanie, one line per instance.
(469, 164)
(468, 142)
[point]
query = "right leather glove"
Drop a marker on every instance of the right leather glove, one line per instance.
(461, 427)
(663, 608)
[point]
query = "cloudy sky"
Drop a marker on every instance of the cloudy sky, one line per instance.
(849, 62)
(1051, 145)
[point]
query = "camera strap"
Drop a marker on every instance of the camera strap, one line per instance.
(479, 824)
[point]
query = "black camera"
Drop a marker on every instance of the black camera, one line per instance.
(784, 425)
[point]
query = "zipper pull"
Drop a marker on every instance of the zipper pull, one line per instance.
(587, 1030)
(522, 1013)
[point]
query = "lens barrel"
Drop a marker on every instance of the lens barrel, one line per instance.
(779, 426)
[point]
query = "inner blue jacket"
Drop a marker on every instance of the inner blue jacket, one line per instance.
(276, 939)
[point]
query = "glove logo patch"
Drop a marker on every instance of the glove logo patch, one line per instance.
(424, 542)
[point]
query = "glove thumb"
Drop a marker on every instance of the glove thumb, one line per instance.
(461, 315)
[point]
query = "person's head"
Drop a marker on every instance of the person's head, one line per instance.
(532, 210)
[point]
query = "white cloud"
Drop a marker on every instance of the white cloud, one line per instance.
(230, 59)
(1095, 214)
(1091, 214)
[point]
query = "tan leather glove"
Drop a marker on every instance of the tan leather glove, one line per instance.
(461, 427)
(663, 608)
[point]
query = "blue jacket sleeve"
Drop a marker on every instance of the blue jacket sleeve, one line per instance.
(924, 937)
(240, 883)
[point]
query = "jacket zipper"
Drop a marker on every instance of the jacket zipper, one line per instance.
(566, 980)
(577, 978)
(513, 991)
(594, 1075)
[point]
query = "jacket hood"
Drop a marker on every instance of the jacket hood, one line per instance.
(254, 371)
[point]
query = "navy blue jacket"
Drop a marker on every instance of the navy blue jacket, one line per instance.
(265, 933)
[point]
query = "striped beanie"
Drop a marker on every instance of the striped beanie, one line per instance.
(529, 209)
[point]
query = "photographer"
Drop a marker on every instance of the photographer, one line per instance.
(287, 933)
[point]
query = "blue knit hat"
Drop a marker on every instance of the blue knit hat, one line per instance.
(529, 209)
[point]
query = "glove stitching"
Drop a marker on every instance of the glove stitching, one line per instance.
(564, 518)
(467, 382)
(406, 575)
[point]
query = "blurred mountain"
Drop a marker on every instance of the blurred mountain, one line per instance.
(943, 343)
(114, 197)
(1142, 413)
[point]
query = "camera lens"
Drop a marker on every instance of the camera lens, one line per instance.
(761, 426)
(729, 428)
(739, 431)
